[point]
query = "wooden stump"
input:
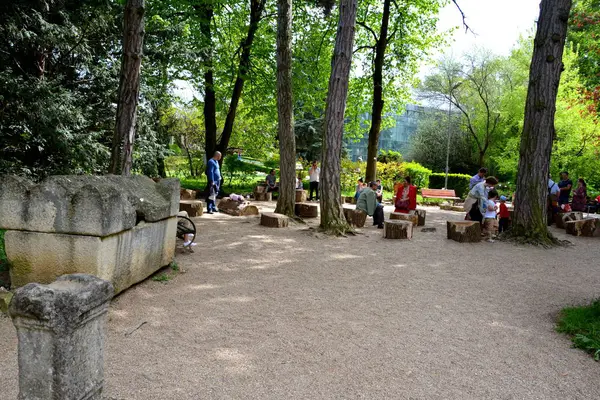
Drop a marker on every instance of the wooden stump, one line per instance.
(412, 218)
(300, 196)
(273, 220)
(589, 227)
(186, 194)
(562, 218)
(307, 210)
(421, 214)
(194, 208)
(355, 217)
(237, 209)
(349, 200)
(397, 229)
(263, 196)
(464, 231)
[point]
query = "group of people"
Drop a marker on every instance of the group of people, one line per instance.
(559, 194)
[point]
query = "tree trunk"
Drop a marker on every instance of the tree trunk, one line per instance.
(256, 9)
(205, 14)
(378, 102)
(538, 126)
(332, 216)
(287, 140)
(129, 88)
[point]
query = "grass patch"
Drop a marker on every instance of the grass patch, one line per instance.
(583, 325)
(163, 277)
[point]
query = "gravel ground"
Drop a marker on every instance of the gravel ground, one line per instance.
(289, 314)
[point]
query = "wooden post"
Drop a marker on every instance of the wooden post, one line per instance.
(273, 220)
(397, 229)
(355, 217)
(413, 218)
(307, 210)
(464, 231)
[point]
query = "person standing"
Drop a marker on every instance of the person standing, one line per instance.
(480, 177)
(490, 223)
(213, 173)
(565, 185)
(313, 184)
(367, 202)
(477, 200)
(580, 196)
(504, 215)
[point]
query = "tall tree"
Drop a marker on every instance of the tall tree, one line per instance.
(285, 110)
(332, 217)
(377, 111)
(538, 127)
(129, 88)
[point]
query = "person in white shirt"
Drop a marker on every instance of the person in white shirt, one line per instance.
(490, 224)
(299, 184)
(314, 173)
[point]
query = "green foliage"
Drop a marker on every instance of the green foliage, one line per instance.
(418, 173)
(4, 281)
(162, 277)
(583, 324)
(389, 156)
(351, 172)
(458, 182)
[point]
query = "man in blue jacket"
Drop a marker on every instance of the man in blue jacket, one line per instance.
(213, 174)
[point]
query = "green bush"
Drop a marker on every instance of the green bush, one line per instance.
(458, 182)
(351, 171)
(389, 156)
(418, 173)
(583, 324)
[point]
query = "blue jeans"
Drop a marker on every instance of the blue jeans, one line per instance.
(210, 204)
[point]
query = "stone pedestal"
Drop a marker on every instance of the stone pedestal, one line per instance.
(464, 231)
(273, 220)
(397, 229)
(237, 209)
(194, 208)
(300, 195)
(60, 328)
(589, 227)
(421, 214)
(412, 218)
(307, 210)
(355, 217)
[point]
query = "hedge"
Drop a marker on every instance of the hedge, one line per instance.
(458, 182)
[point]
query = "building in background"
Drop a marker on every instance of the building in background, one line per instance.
(396, 138)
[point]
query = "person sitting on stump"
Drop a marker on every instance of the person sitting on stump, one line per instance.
(406, 197)
(272, 182)
(367, 202)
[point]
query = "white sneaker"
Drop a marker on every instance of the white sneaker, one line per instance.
(186, 244)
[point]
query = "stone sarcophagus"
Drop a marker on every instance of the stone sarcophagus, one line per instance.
(121, 229)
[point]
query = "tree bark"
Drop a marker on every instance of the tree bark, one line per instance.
(538, 127)
(287, 140)
(376, 114)
(129, 88)
(332, 216)
(256, 10)
(205, 14)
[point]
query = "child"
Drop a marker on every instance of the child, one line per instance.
(490, 224)
(504, 215)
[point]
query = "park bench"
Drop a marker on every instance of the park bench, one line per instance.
(446, 194)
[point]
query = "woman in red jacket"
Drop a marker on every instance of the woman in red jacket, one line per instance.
(406, 197)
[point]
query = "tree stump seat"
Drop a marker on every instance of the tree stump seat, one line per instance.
(412, 218)
(355, 217)
(273, 220)
(306, 210)
(421, 215)
(186, 194)
(300, 196)
(397, 229)
(261, 194)
(588, 227)
(194, 208)
(464, 231)
(237, 209)
(448, 207)
(349, 200)
(562, 218)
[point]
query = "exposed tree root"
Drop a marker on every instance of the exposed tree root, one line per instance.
(545, 240)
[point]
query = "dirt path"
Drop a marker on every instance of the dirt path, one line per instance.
(283, 314)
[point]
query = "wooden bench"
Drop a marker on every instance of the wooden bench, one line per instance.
(446, 194)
